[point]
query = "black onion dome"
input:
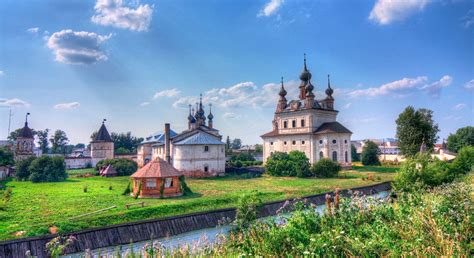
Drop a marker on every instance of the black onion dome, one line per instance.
(309, 87)
(210, 116)
(282, 92)
(191, 118)
(26, 132)
(329, 91)
(305, 75)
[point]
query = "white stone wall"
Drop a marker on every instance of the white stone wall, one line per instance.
(144, 154)
(73, 163)
(101, 151)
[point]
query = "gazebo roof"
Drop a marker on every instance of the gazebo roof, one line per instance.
(157, 168)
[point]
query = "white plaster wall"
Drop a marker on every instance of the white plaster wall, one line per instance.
(101, 151)
(193, 157)
(72, 163)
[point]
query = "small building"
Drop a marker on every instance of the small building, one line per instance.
(108, 171)
(156, 179)
(102, 147)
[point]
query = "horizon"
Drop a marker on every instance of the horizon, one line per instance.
(72, 64)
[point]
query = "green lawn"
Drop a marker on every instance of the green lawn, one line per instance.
(34, 207)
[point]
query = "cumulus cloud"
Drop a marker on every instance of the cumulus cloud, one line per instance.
(33, 30)
(391, 87)
(13, 103)
(115, 13)
(469, 85)
(387, 11)
(230, 115)
(434, 88)
(270, 8)
(167, 93)
(66, 106)
(77, 47)
(459, 106)
(244, 94)
(144, 104)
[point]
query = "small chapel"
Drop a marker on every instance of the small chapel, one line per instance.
(308, 125)
(197, 151)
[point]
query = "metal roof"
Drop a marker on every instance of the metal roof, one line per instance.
(200, 138)
(158, 137)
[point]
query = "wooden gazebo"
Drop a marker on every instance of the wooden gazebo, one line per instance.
(157, 179)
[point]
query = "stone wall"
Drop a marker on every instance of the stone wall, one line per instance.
(77, 162)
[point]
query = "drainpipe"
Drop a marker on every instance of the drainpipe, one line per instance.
(167, 143)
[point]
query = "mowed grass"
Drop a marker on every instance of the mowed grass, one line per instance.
(35, 207)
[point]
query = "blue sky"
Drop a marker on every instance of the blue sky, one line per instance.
(140, 63)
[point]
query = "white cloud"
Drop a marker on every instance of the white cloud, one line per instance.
(115, 13)
(231, 115)
(459, 106)
(167, 93)
(469, 85)
(2, 73)
(391, 87)
(13, 103)
(387, 11)
(144, 104)
(77, 47)
(270, 8)
(434, 88)
(33, 30)
(64, 106)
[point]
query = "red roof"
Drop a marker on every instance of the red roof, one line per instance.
(157, 168)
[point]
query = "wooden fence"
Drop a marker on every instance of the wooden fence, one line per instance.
(137, 231)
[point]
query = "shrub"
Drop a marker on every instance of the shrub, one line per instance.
(464, 162)
(243, 156)
(247, 208)
(370, 153)
(294, 164)
(124, 167)
(326, 168)
(127, 190)
(237, 164)
(22, 172)
(47, 169)
(84, 188)
(6, 157)
(184, 187)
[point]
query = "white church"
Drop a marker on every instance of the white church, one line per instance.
(308, 125)
(197, 151)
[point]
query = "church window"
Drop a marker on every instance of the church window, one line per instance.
(321, 155)
(168, 182)
(334, 141)
(206, 168)
(334, 155)
(302, 142)
(285, 124)
(345, 157)
(206, 148)
(302, 123)
(294, 142)
(151, 183)
(293, 123)
(320, 141)
(146, 161)
(345, 141)
(222, 149)
(284, 142)
(271, 143)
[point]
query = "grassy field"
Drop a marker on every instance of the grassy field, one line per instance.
(35, 208)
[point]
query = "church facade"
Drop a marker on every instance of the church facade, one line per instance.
(196, 152)
(308, 125)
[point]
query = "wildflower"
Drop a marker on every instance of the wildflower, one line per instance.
(306, 252)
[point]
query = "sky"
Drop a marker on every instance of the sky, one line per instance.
(140, 63)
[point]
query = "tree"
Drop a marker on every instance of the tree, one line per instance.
(370, 153)
(325, 168)
(293, 164)
(300, 164)
(47, 169)
(22, 172)
(125, 141)
(464, 162)
(228, 144)
(258, 148)
(80, 146)
(59, 141)
(463, 137)
(124, 167)
(43, 140)
(414, 127)
(6, 157)
(14, 134)
(355, 156)
(236, 144)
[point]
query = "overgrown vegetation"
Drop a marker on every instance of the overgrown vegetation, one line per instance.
(124, 167)
(297, 164)
(462, 138)
(42, 169)
(6, 157)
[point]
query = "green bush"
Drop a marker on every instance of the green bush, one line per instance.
(47, 169)
(124, 167)
(6, 157)
(464, 162)
(184, 187)
(22, 173)
(243, 156)
(247, 208)
(294, 164)
(325, 168)
(369, 155)
(127, 190)
(423, 172)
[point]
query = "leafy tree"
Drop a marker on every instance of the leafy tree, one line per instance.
(122, 150)
(80, 146)
(463, 137)
(228, 144)
(43, 140)
(464, 162)
(293, 164)
(258, 148)
(6, 157)
(300, 163)
(244, 156)
(14, 134)
(326, 168)
(93, 135)
(354, 154)
(236, 144)
(414, 127)
(124, 167)
(126, 141)
(59, 141)
(370, 153)
(47, 169)
(22, 173)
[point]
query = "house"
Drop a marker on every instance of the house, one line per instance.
(158, 178)
(308, 125)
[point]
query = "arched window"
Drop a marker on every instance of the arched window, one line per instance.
(206, 168)
(302, 122)
(321, 155)
(320, 141)
(334, 155)
(293, 123)
(345, 157)
(334, 141)
(285, 124)
(206, 148)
